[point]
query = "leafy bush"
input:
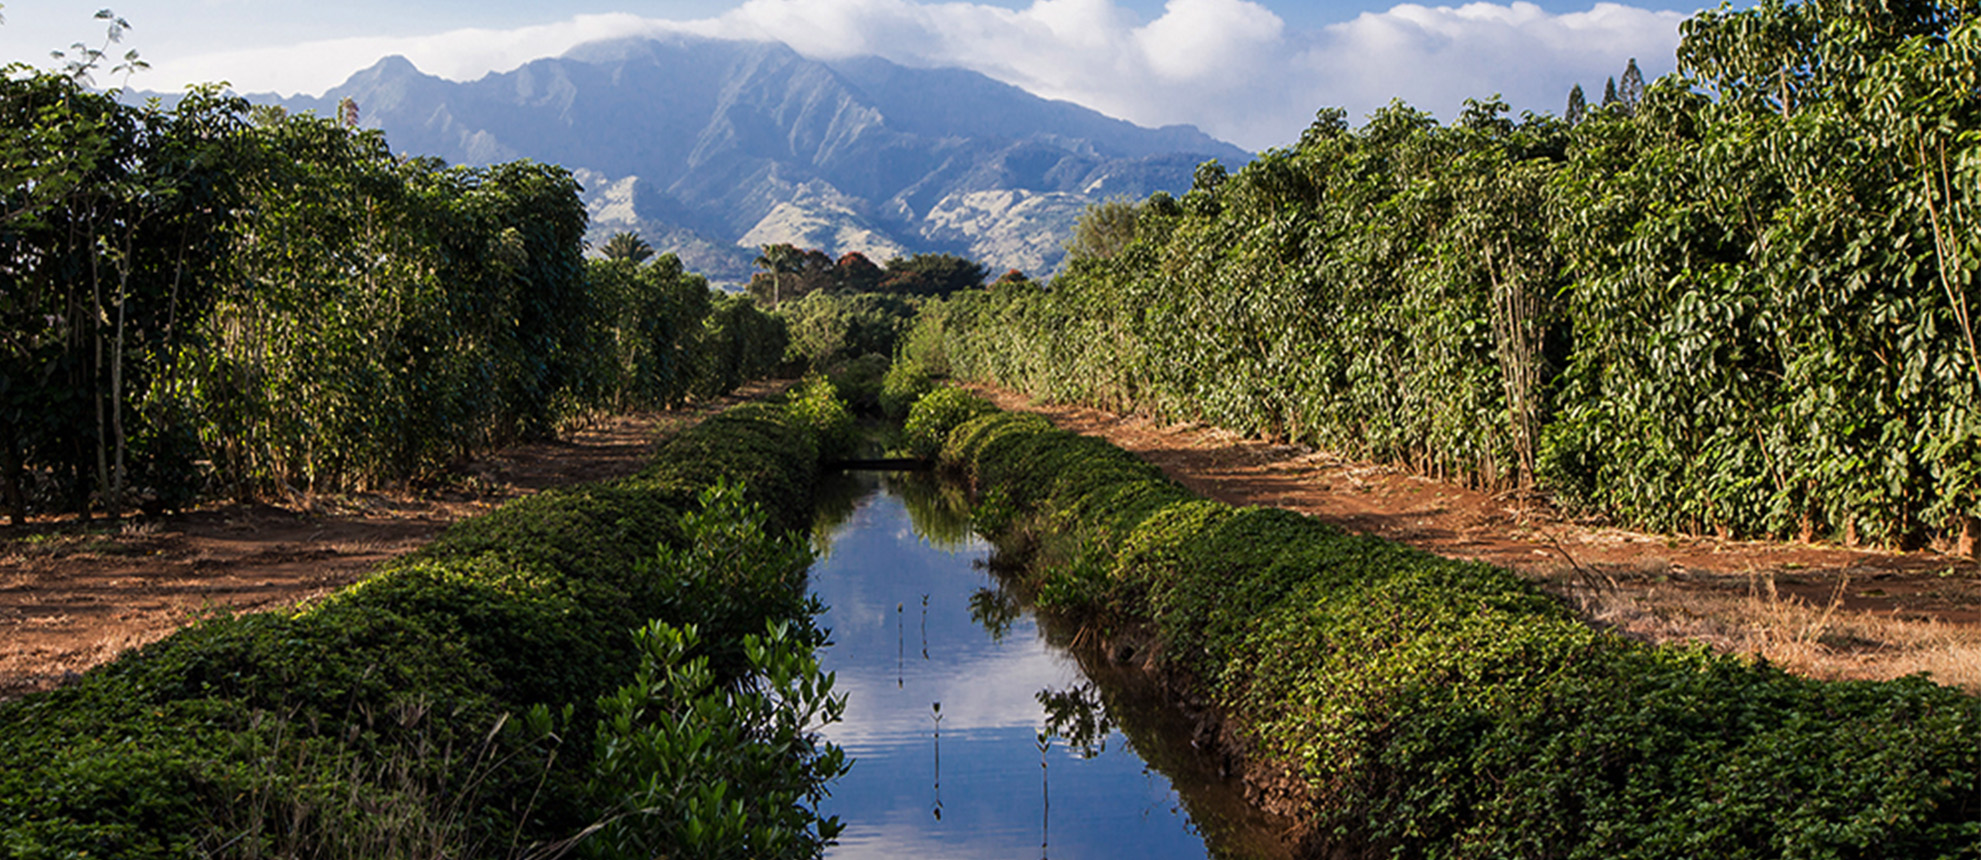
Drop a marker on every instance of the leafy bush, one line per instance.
(451, 699)
(905, 383)
(689, 764)
(1437, 708)
(1739, 301)
(860, 382)
(296, 306)
(935, 414)
(738, 342)
(816, 405)
(829, 329)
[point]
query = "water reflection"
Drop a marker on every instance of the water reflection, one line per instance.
(995, 611)
(938, 510)
(945, 744)
(1077, 716)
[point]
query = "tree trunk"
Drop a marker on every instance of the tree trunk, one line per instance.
(10, 477)
(114, 498)
(1516, 317)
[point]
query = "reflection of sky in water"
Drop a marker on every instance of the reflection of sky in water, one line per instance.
(990, 792)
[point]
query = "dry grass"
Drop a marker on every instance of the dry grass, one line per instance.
(1822, 640)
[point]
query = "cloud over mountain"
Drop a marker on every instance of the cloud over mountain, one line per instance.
(1230, 67)
(712, 147)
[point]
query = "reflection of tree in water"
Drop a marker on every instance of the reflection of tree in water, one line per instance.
(1077, 716)
(994, 611)
(938, 510)
(835, 501)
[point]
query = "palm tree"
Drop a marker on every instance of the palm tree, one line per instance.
(778, 260)
(626, 246)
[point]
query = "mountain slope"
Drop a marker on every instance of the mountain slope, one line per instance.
(709, 148)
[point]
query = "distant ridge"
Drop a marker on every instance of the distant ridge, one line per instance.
(709, 148)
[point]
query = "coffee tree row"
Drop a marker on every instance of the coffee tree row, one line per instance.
(217, 297)
(1743, 303)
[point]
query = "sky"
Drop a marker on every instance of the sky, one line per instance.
(1252, 72)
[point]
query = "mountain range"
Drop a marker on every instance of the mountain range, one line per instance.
(711, 148)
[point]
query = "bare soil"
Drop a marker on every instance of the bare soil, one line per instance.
(76, 594)
(1823, 610)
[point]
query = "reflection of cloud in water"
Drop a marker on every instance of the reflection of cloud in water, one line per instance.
(999, 690)
(991, 782)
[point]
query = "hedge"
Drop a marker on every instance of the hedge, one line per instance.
(446, 701)
(1438, 708)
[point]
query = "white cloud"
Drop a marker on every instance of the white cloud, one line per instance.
(1207, 39)
(1231, 67)
(1434, 57)
(465, 54)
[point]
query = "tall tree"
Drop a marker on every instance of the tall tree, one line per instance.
(626, 245)
(1578, 105)
(779, 260)
(932, 275)
(1103, 230)
(1631, 90)
(855, 273)
(1609, 92)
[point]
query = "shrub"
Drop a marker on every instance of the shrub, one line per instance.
(860, 382)
(935, 414)
(1439, 708)
(451, 699)
(816, 404)
(905, 383)
(688, 764)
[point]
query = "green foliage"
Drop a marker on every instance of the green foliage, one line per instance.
(932, 275)
(816, 405)
(286, 300)
(655, 346)
(113, 228)
(905, 383)
(737, 343)
(925, 344)
(828, 329)
(453, 698)
(790, 274)
(1739, 300)
(626, 246)
(934, 414)
(1436, 708)
(1104, 230)
(690, 764)
(860, 382)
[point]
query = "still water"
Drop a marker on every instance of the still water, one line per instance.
(974, 731)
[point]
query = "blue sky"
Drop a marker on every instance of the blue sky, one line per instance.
(1249, 71)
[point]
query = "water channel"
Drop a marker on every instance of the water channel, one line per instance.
(974, 731)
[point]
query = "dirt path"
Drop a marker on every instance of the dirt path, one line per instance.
(1823, 610)
(74, 595)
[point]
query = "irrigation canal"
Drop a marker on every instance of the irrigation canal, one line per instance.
(974, 731)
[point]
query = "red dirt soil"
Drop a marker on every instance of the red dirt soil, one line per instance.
(75, 594)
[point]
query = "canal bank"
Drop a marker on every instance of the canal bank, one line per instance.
(1410, 705)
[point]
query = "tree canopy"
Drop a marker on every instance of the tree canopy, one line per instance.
(626, 246)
